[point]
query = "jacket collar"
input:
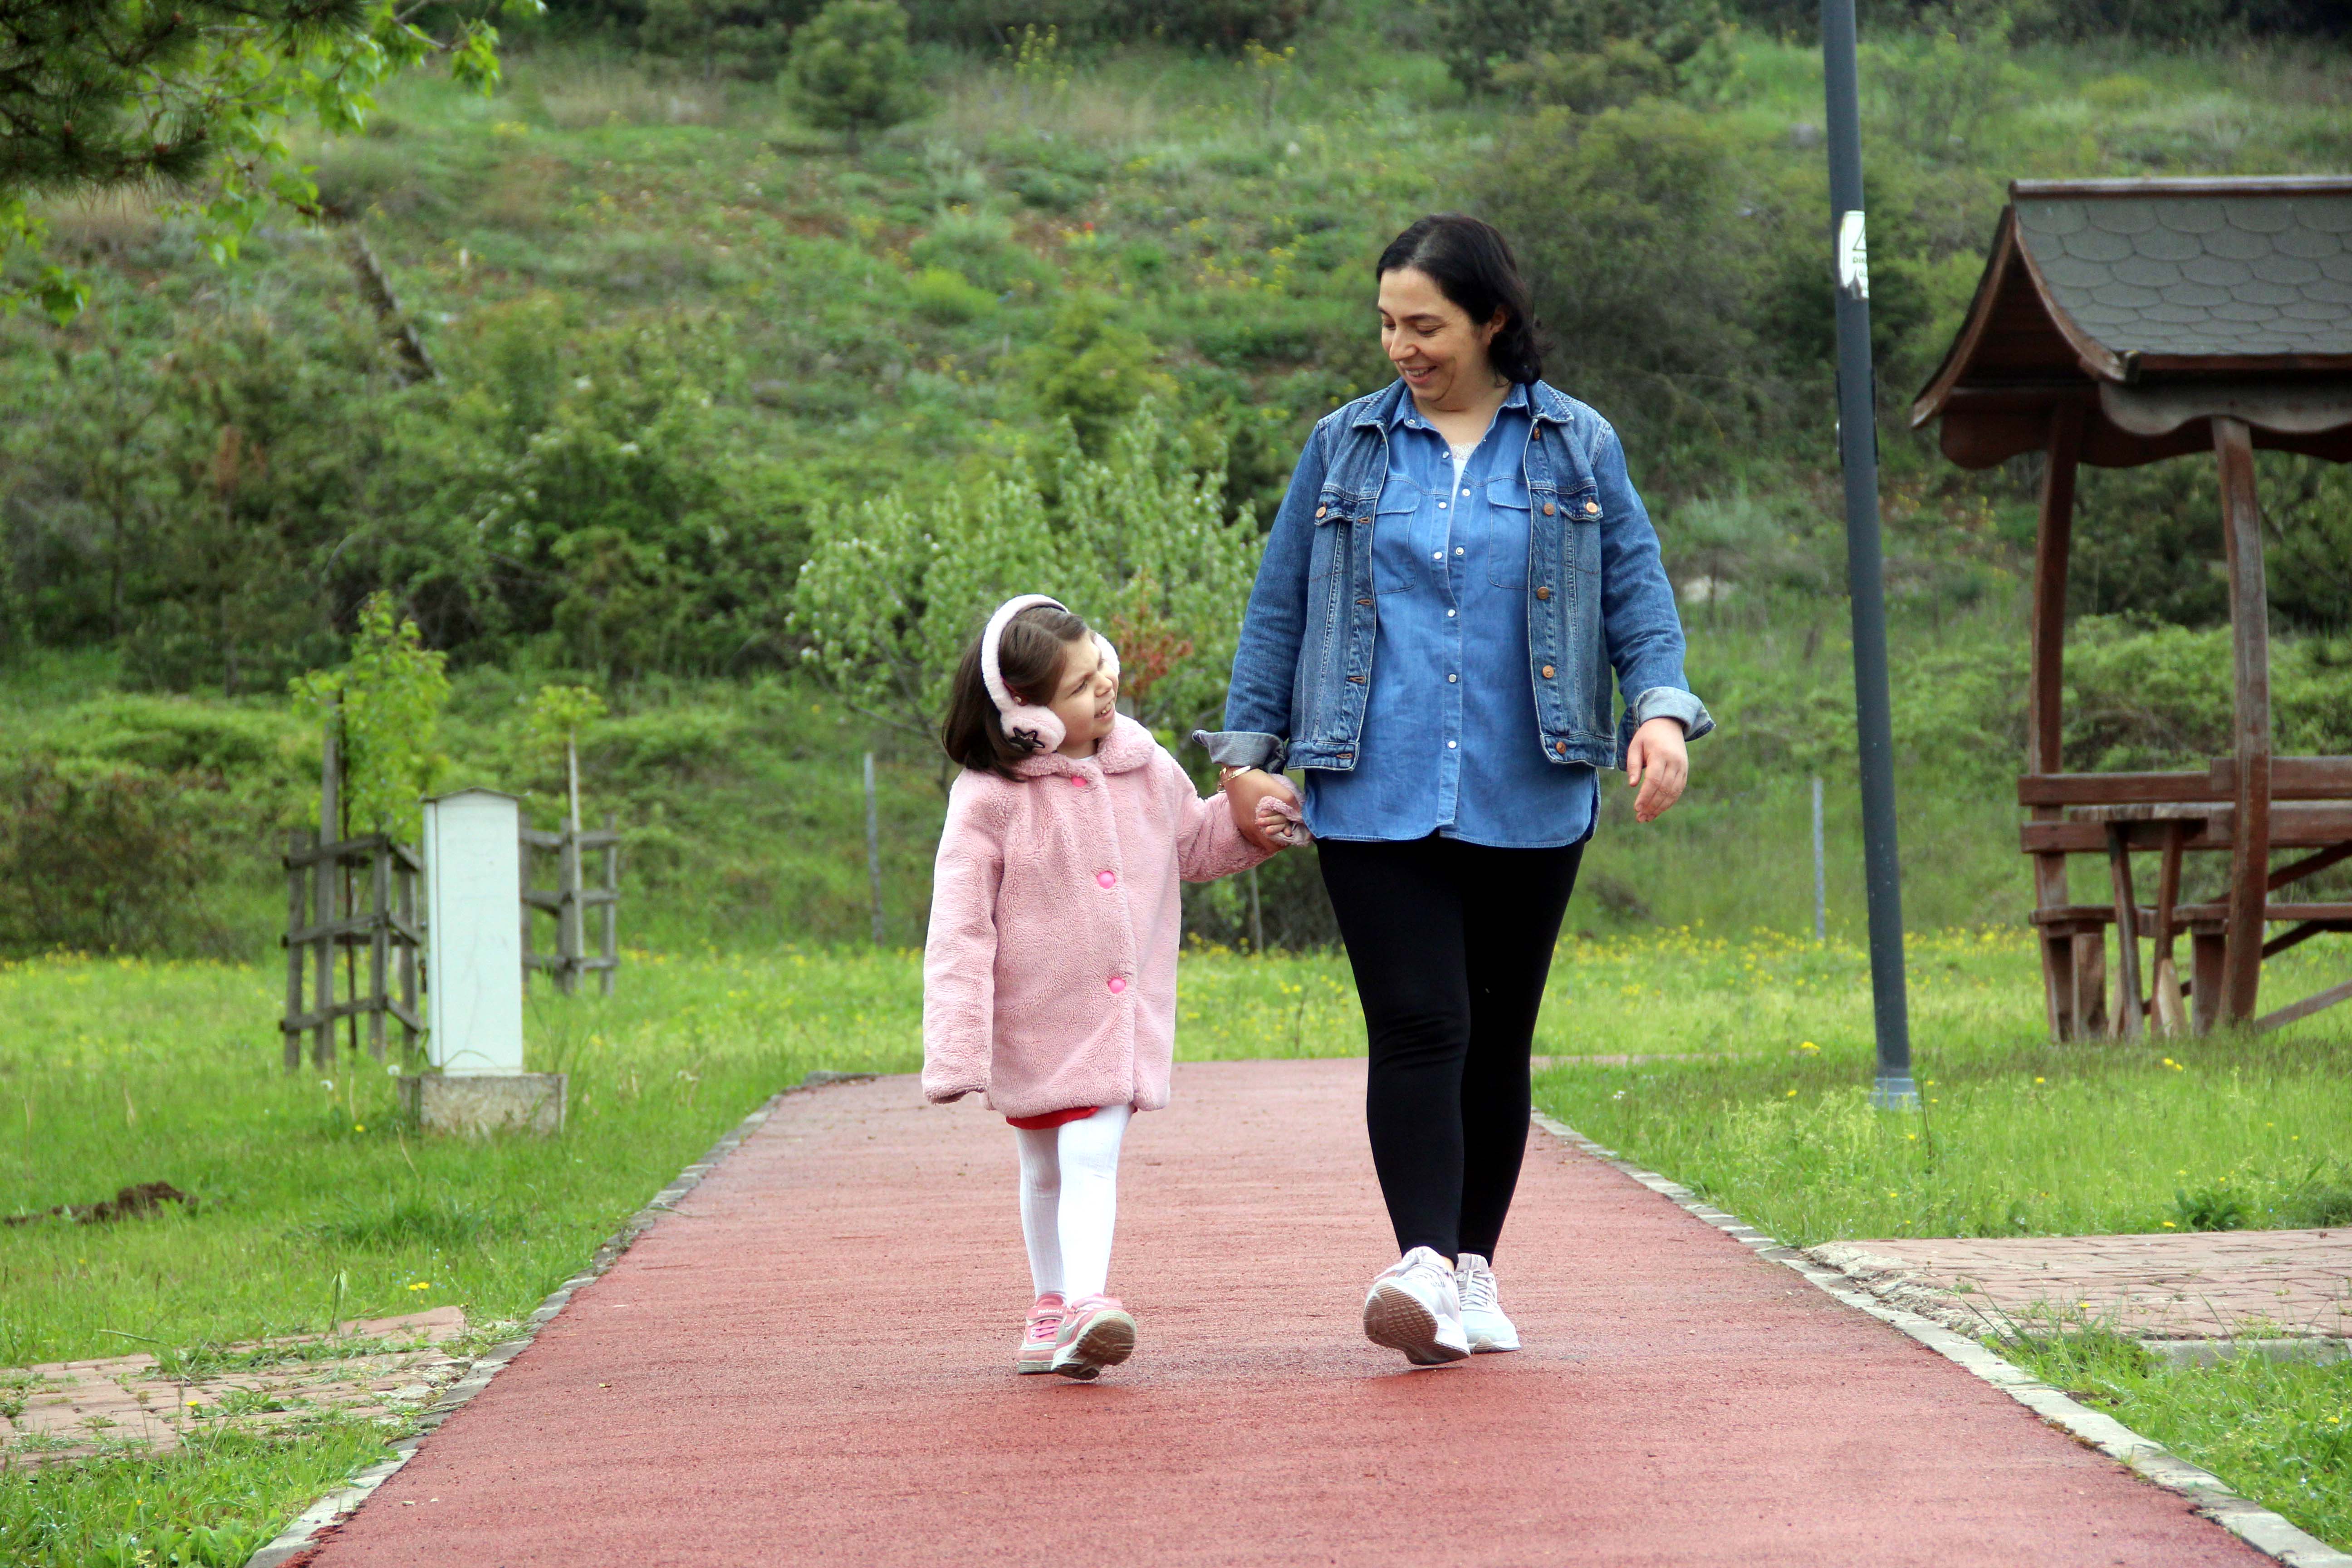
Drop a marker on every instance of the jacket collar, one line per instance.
(1127, 748)
(1387, 405)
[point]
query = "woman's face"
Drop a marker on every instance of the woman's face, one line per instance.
(1085, 696)
(1432, 342)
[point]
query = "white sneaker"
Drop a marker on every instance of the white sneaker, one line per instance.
(1483, 1323)
(1413, 1306)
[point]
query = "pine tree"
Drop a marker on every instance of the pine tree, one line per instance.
(851, 69)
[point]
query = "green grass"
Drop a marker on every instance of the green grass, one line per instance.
(121, 1071)
(2016, 1136)
(213, 1503)
(2280, 1432)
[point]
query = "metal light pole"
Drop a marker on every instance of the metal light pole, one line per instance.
(1858, 452)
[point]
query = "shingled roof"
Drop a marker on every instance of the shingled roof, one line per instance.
(2156, 303)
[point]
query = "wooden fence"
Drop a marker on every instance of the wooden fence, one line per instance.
(570, 903)
(381, 919)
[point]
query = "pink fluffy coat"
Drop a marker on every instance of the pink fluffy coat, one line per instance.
(1049, 979)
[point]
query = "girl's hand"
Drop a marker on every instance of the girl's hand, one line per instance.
(1659, 763)
(1243, 791)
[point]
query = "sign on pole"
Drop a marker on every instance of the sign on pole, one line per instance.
(1865, 577)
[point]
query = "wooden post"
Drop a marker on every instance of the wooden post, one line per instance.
(612, 909)
(408, 959)
(379, 944)
(298, 879)
(327, 903)
(2171, 1014)
(2250, 644)
(2045, 731)
(570, 947)
(2125, 1019)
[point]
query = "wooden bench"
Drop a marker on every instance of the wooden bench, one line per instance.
(2173, 815)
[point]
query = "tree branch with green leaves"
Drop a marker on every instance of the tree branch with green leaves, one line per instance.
(192, 99)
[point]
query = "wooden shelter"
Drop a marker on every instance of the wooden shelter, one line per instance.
(2120, 323)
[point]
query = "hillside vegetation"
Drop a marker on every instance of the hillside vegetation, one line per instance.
(679, 333)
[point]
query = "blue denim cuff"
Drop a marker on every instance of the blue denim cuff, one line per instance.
(1664, 702)
(1243, 749)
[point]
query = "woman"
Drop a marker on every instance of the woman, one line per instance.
(1459, 566)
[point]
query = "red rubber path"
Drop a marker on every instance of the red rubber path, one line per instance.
(814, 1368)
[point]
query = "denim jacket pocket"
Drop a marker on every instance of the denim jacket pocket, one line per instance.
(1507, 538)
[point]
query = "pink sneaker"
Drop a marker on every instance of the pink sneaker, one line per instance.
(1096, 1333)
(1036, 1352)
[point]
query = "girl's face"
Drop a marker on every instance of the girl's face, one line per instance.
(1085, 698)
(1434, 344)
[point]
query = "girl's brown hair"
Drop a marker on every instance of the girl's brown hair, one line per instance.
(1029, 657)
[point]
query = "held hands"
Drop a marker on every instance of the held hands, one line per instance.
(1659, 763)
(1246, 792)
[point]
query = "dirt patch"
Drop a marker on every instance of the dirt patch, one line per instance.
(131, 1203)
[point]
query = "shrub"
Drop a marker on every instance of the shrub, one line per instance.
(105, 859)
(747, 38)
(944, 295)
(851, 70)
(978, 245)
(1481, 38)
(1602, 208)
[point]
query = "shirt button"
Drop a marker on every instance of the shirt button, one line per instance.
(1451, 744)
(1592, 506)
(1106, 878)
(1453, 680)
(1441, 506)
(1549, 672)
(1437, 555)
(1466, 489)
(1457, 550)
(1449, 614)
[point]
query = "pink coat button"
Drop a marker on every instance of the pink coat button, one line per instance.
(1077, 780)
(1105, 878)
(1118, 984)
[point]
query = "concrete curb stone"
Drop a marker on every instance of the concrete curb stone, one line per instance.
(2270, 1533)
(298, 1540)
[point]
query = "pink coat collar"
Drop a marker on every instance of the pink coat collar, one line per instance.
(1128, 746)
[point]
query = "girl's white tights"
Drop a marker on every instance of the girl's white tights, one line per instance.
(1069, 1201)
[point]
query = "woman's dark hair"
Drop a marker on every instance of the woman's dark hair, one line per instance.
(1471, 265)
(1029, 656)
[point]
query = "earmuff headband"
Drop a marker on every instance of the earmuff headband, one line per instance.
(1027, 722)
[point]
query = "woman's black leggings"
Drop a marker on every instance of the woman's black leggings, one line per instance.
(1451, 943)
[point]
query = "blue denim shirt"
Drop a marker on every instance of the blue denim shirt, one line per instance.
(1450, 744)
(1598, 604)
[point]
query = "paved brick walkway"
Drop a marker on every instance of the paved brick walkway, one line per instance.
(73, 1409)
(2208, 1285)
(810, 1364)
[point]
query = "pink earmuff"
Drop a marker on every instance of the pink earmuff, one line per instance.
(1026, 720)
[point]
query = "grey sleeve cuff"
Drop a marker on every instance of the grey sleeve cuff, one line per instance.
(1243, 749)
(1669, 702)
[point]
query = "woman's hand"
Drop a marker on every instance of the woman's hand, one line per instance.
(1243, 791)
(1659, 763)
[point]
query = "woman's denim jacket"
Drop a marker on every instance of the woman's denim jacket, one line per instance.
(1598, 599)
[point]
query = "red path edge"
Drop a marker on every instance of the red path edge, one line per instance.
(810, 1364)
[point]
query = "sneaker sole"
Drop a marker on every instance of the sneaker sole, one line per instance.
(1108, 1340)
(1395, 1320)
(1025, 1365)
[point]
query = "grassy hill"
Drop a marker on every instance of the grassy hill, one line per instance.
(670, 321)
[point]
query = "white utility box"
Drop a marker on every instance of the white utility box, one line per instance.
(473, 903)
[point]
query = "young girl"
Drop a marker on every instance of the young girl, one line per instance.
(1049, 978)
